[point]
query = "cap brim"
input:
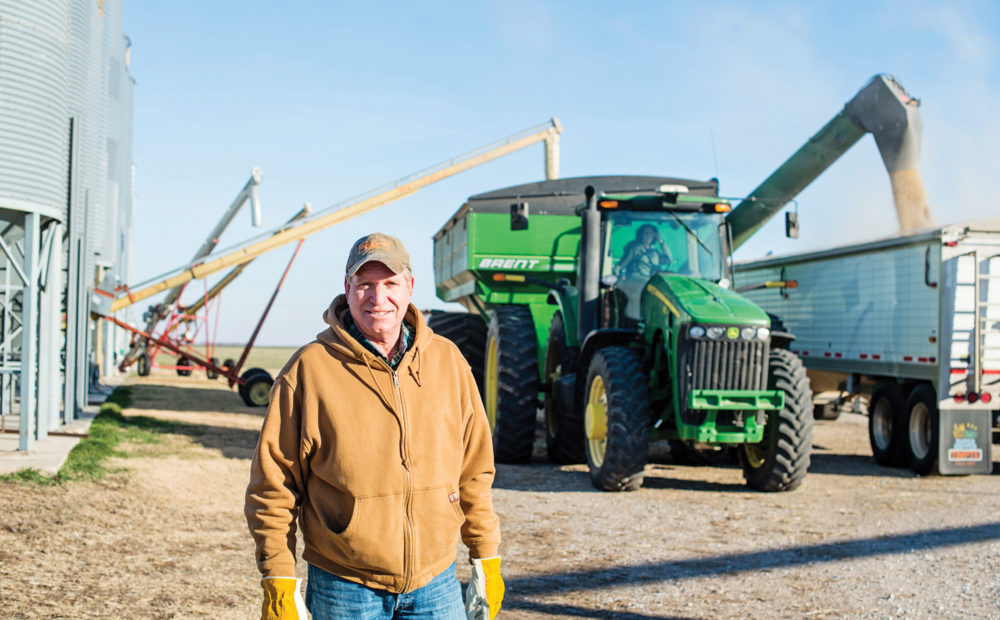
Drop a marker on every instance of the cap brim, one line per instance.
(394, 266)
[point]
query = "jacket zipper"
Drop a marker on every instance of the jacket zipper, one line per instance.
(408, 534)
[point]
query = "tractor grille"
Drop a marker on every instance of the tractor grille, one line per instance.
(719, 365)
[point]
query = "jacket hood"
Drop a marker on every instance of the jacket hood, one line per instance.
(337, 337)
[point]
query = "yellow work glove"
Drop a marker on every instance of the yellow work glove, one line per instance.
(485, 591)
(282, 599)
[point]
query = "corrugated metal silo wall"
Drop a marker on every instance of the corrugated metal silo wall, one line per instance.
(34, 126)
(101, 107)
(87, 27)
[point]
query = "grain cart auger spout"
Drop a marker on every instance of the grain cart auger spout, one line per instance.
(883, 108)
(609, 297)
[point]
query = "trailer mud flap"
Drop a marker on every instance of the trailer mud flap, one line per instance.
(965, 444)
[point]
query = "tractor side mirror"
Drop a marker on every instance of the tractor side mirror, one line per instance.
(519, 216)
(792, 225)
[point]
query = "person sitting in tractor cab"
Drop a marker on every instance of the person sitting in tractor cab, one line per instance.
(644, 255)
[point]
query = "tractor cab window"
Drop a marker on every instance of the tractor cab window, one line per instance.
(639, 245)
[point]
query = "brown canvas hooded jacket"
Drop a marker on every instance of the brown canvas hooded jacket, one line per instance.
(385, 469)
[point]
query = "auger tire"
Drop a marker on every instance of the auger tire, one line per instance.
(143, 364)
(183, 372)
(510, 380)
(468, 332)
(563, 427)
(780, 461)
(256, 388)
(209, 373)
(616, 419)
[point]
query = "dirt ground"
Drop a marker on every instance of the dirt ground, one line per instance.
(166, 537)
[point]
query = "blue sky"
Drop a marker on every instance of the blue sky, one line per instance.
(332, 99)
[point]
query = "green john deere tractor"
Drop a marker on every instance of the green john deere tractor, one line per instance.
(607, 302)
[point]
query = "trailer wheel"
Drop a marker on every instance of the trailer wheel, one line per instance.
(922, 429)
(142, 364)
(229, 363)
(468, 332)
(183, 372)
(780, 461)
(616, 419)
(256, 389)
(511, 383)
(211, 374)
(563, 427)
(886, 432)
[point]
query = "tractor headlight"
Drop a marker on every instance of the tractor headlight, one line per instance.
(716, 332)
(696, 331)
(748, 333)
(763, 333)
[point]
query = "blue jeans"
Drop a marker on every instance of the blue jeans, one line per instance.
(329, 597)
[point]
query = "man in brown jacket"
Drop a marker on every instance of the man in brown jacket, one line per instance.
(376, 440)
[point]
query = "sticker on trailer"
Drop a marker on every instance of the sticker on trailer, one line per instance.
(965, 449)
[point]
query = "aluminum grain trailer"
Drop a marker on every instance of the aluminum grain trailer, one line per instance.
(915, 319)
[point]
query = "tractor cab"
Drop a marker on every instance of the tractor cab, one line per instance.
(663, 232)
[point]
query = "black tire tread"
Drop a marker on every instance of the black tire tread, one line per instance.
(627, 444)
(517, 383)
(789, 431)
(895, 454)
(468, 332)
(566, 446)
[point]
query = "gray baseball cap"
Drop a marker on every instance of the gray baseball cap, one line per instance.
(381, 248)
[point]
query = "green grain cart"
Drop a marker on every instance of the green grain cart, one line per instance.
(608, 302)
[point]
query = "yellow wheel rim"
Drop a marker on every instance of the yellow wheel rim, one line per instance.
(595, 420)
(492, 383)
(755, 453)
(259, 393)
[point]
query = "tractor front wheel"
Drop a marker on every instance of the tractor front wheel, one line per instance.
(780, 461)
(511, 383)
(616, 419)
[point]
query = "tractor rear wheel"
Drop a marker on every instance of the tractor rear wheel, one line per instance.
(563, 426)
(922, 429)
(886, 426)
(616, 419)
(511, 383)
(780, 461)
(142, 364)
(468, 332)
(256, 389)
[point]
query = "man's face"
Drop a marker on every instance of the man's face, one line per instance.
(378, 299)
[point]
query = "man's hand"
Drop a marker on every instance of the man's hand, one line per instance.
(282, 599)
(485, 591)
